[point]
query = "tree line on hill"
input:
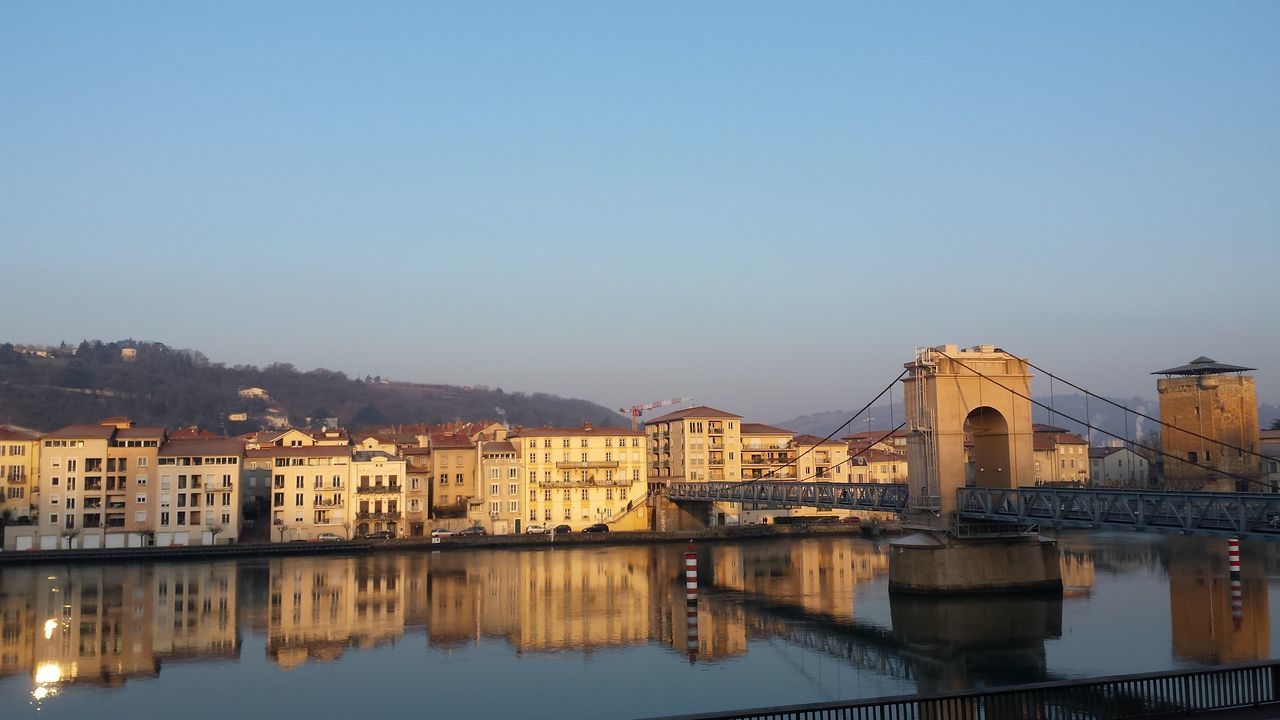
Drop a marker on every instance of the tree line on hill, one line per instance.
(160, 385)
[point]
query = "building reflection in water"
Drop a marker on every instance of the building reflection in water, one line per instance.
(1204, 628)
(107, 624)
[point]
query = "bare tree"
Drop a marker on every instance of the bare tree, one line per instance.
(282, 530)
(214, 530)
(68, 536)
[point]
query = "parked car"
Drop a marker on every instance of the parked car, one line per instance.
(598, 527)
(851, 520)
(380, 535)
(562, 529)
(441, 533)
(329, 537)
(473, 531)
(536, 529)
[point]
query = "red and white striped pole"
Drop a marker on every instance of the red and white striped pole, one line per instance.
(691, 603)
(1237, 588)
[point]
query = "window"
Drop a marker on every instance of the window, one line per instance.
(584, 442)
(142, 462)
(1191, 456)
(140, 516)
(546, 496)
(513, 489)
(513, 506)
(457, 479)
(546, 515)
(493, 488)
(566, 514)
(564, 443)
(545, 443)
(444, 479)
(584, 493)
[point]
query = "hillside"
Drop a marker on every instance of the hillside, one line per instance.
(177, 388)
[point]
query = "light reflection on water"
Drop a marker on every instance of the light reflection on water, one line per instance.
(601, 632)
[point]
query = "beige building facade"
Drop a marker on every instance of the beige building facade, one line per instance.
(454, 463)
(19, 473)
(378, 483)
(499, 508)
(197, 498)
(310, 492)
(95, 482)
(580, 476)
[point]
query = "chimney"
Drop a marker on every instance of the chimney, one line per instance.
(586, 426)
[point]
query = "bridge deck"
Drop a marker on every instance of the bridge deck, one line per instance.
(1252, 515)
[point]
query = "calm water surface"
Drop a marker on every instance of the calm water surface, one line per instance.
(595, 632)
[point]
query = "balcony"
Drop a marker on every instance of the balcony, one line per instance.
(328, 504)
(589, 465)
(93, 484)
(377, 516)
(715, 429)
(589, 482)
(378, 489)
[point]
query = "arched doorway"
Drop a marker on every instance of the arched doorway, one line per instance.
(989, 464)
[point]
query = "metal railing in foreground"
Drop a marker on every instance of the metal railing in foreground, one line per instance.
(1109, 698)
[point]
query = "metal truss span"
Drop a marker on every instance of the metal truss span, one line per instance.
(884, 497)
(1255, 515)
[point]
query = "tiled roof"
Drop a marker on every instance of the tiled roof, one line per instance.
(192, 433)
(556, 432)
(762, 429)
(307, 451)
(8, 432)
(371, 455)
(155, 431)
(442, 441)
(82, 432)
(501, 446)
(194, 447)
(701, 411)
(814, 440)
(1101, 452)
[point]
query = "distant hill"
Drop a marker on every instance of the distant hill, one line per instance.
(47, 388)
(1102, 415)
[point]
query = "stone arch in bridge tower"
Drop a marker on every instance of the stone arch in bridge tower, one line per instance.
(953, 397)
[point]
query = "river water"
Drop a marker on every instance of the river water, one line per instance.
(598, 632)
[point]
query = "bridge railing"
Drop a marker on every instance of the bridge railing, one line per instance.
(1205, 513)
(1109, 698)
(885, 497)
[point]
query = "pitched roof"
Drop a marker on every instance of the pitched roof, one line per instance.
(874, 455)
(371, 455)
(192, 433)
(1101, 452)
(814, 440)
(501, 446)
(153, 431)
(300, 451)
(558, 431)
(443, 441)
(82, 432)
(700, 411)
(762, 429)
(202, 446)
(8, 432)
(1051, 440)
(1203, 366)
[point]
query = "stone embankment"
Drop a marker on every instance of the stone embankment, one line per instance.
(577, 539)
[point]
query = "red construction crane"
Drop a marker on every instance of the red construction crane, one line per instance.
(635, 411)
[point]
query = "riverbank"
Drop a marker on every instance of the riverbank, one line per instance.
(214, 552)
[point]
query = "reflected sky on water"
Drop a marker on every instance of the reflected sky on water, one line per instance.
(597, 632)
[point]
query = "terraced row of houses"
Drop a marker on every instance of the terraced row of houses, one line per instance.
(116, 484)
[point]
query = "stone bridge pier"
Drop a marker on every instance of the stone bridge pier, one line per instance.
(969, 422)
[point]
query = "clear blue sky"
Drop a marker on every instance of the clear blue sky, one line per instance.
(765, 206)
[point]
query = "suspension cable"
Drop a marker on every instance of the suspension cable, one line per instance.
(773, 473)
(1104, 432)
(1088, 394)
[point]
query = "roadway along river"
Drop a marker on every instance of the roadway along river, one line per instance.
(596, 632)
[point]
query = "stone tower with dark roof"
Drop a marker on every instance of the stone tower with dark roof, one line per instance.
(1214, 408)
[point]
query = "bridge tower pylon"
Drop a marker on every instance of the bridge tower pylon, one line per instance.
(968, 424)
